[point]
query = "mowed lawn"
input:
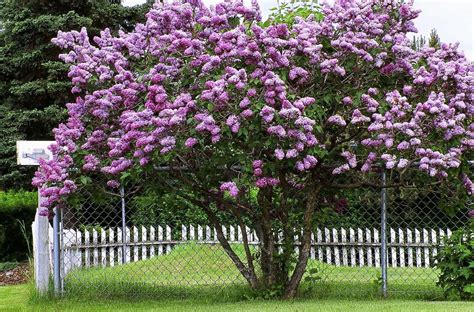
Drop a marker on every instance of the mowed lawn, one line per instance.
(18, 298)
(194, 270)
(201, 278)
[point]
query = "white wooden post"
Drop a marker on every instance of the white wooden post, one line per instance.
(120, 255)
(377, 249)
(160, 240)
(127, 244)
(401, 241)
(418, 248)
(319, 237)
(214, 236)
(69, 260)
(393, 239)
(312, 253)
(248, 234)
(96, 250)
(144, 253)
(448, 233)
(208, 233)
(434, 243)
(368, 237)
(51, 248)
(224, 232)
(232, 234)
(441, 235)
(239, 234)
(103, 241)
(112, 248)
(135, 244)
(345, 261)
(87, 248)
(337, 260)
(78, 249)
(200, 233)
(40, 230)
(184, 233)
(296, 240)
(352, 240)
(327, 239)
(280, 239)
(410, 249)
(168, 238)
(152, 240)
(426, 250)
(192, 233)
(360, 240)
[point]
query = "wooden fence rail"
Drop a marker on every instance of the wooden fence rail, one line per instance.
(406, 247)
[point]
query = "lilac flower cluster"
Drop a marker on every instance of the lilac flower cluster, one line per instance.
(177, 83)
(231, 187)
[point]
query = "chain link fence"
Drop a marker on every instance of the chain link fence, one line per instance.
(138, 242)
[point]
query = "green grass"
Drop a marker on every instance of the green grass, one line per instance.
(202, 278)
(194, 270)
(19, 298)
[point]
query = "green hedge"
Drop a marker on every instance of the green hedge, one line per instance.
(16, 208)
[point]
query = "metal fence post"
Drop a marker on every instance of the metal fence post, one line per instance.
(383, 231)
(124, 243)
(56, 253)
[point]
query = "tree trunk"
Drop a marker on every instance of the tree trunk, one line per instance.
(267, 240)
(294, 282)
(246, 272)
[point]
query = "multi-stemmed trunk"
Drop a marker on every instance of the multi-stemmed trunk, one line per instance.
(276, 251)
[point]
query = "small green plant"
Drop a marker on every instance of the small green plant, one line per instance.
(312, 278)
(27, 236)
(456, 263)
(5, 266)
(377, 281)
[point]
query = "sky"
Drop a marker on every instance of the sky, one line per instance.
(453, 19)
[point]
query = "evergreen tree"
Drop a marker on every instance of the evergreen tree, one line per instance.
(34, 86)
(434, 40)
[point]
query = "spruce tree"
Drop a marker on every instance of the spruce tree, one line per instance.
(34, 86)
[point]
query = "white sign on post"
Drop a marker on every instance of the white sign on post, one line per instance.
(30, 152)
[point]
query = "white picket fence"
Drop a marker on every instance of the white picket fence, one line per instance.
(339, 247)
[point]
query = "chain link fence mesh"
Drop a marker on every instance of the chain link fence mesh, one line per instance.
(137, 242)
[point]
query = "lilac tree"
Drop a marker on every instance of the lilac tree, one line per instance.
(260, 119)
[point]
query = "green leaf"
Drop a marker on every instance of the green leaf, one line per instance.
(469, 288)
(234, 21)
(313, 271)
(124, 176)
(85, 180)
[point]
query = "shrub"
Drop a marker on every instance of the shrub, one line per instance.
(15, 208)
(263, 120)
(456, 262)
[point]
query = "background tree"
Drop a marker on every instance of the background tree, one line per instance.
(33, 83)
(262, 121)
(420, 41)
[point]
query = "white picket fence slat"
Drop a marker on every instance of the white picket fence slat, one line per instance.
(340, 247)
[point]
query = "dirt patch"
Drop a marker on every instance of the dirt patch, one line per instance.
(18, 275)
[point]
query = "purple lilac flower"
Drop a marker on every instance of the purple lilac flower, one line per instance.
(231, 187)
